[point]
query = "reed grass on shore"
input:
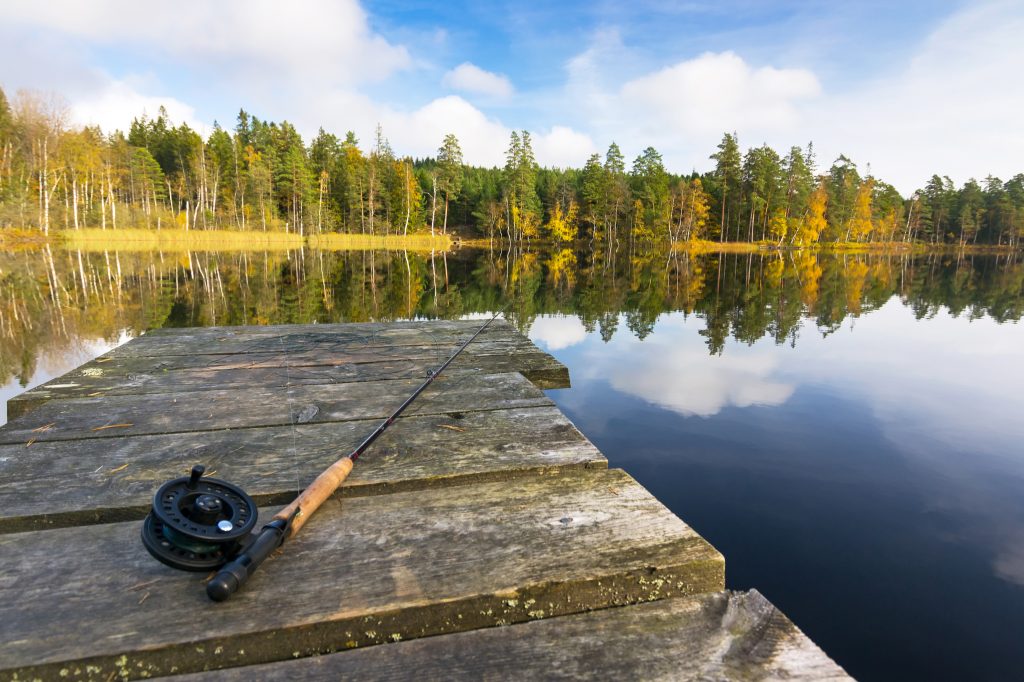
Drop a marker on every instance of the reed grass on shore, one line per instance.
(92, 239)
(706, 246)
(171, 240)
(394, 242)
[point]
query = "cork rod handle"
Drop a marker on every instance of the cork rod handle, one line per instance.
(314, 495)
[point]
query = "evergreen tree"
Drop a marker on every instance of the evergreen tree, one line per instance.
(799, 173)
(728, 172)
(618, 189)
(520, 187)
(650, 187)
(763, 185)
(594, 195)
(449, 161)
(843, 183)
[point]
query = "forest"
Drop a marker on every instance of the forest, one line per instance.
(262, 175)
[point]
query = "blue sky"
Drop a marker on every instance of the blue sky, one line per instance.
(911, 88)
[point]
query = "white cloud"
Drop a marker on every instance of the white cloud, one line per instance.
(718, 92)
(684, 382)
(307, 65)
(275, 60)
(591, 83)
(684, 108)
(325, 41)
(419, 132)
(482, 139)
(117, 103)
(563, 147)
(471, 78)
(951, 108)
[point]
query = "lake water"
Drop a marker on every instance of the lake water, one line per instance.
(847, 430)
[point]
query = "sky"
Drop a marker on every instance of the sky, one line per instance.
(906, 89)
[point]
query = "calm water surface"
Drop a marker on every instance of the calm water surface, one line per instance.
(846, 430)
(870, 483)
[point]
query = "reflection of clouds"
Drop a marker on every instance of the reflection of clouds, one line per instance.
(557, 332)
(685, 381)
(934, 385)
(1009, 562)
(672, 369)
(943, 391)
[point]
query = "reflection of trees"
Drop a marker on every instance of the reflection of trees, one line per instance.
(51, 300)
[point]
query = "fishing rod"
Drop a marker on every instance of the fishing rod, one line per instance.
(204, 524)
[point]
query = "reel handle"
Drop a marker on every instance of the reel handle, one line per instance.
(313, 496)
(286, 523)
(234, 574)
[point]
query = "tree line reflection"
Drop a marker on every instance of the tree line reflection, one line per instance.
(53, 300)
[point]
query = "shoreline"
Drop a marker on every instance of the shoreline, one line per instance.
(137, 239)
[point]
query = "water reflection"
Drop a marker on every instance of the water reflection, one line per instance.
(50, 300)
(845, 428)
(670, 369)
(869, 478)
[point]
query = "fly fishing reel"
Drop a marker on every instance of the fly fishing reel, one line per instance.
(198, 524)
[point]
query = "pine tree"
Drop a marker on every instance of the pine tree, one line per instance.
(618, 189)
(650, 187)
(594, 195)
(449, 160)
(727, 170)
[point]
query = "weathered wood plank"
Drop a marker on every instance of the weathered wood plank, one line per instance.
(70, 483)
(218, 340)
(152, 413)
(138, 375)
(718, 636)
(305, 357)
(396, 329)
(364, 571)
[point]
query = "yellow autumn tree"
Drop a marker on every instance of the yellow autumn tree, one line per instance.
(696, 206)
(563, 226)
(886, 225)
(861, 225)
(409, 197)
(778, 226)
(810, 227)
(525, 222)
(640, 231)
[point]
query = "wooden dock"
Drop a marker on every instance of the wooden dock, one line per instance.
(483, 506)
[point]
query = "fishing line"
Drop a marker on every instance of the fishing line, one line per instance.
(199, 524)
(292, 417)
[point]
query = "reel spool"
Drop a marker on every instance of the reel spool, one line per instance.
(198, 524)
